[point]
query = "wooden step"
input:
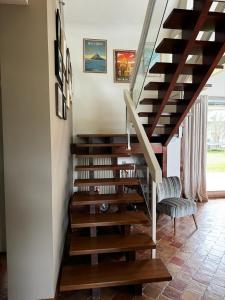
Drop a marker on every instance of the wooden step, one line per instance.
(101, 135)
(110, 155)
(106, 182)
(160, 129)
(163, 86)
(164, 118)
(153, 114)
(88, 199)
(162, 138)
(177, 46)
(109, 244)
(158, 101)
(104, 167)
(185, 19)
(113, 274)
(79, 220)
(171, 108)
(77, 148)
(100, 145)
(170, 68)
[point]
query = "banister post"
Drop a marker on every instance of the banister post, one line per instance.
(153, 213)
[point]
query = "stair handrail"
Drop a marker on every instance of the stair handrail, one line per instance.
(149, 154)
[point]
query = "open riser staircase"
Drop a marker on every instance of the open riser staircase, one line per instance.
(166, 113)
(96, 235)
(109, 199)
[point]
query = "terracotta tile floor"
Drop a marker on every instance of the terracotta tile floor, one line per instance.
(196, 259)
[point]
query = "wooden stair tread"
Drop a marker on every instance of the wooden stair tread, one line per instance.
(94, 145)
(88, 199)
(160, 125)
(81, 220)
(104, 167)
(158, 101)
(109, 244)
(164, 115)
(184, 19)
(113, 274)
(189, 69)
(101, 135)
(102, 155)
(106, 181)
(164, 86)
(177, 46)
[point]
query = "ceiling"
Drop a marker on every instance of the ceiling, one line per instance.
(105, 12)
(18, 2)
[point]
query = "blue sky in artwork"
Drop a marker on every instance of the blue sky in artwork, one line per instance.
(95, 47)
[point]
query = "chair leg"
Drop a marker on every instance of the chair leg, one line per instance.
(195, 221)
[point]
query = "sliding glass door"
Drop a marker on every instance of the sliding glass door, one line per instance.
(216, 145)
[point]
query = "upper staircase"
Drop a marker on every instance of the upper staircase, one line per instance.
(182, 78)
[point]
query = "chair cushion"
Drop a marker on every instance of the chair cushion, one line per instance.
(170, 187)
(177, 207)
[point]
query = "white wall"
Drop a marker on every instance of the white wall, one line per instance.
(36, 151)
(218, 85)
(98, 101)
(174, 157)
(2, 193)
(61, 160)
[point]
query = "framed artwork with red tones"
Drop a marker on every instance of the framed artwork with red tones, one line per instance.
(123, 65)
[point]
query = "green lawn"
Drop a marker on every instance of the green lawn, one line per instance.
(216, 161)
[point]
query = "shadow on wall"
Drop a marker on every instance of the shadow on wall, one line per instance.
(2, 192)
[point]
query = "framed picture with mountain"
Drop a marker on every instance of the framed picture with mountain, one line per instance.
(95, 56)
(123, 65)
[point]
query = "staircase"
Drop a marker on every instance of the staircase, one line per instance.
(96, 236)
(101, 220)
(166, 113)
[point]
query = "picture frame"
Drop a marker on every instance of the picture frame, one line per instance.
(59, 101)
(123, 61)
(70, 84)
(58, 63)
(64, 84)
(58, 27)
(67, 64)
(63, 48)
(64, 109)
(95, 56)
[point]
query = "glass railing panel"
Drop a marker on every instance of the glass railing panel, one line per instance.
(146, 55)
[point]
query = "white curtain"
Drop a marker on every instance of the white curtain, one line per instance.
(194, 151)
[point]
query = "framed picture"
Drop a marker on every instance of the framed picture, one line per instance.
(150, 54)
(59, 101)
(63, 48)
(64, 84)
(58, 63)
(58, 27)
(95, 56)
(64, 109)
(67, 64)
(70, 84)
(123, 65)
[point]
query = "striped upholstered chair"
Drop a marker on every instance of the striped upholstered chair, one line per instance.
(169, 200)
